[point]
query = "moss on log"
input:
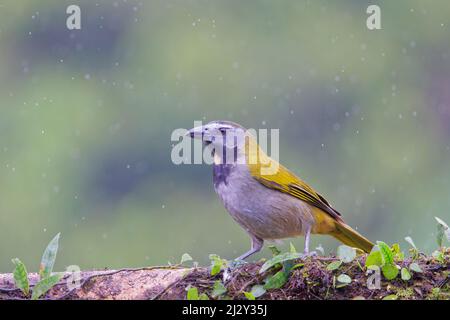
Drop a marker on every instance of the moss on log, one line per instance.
(312, 280)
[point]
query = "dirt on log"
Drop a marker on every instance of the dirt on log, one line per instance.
(311, 280)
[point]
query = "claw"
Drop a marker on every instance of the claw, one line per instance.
(309, 255)
(236, 263)
(232, 265)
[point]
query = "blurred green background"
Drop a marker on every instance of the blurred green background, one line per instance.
(86, 117)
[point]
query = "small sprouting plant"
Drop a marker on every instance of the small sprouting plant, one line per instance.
(21, 276)
(282, 261)
(186, 257)
(383, 257)
(398, 254)
(279, 259)
(443, 231)
(47, 279)
(415, 267)
(275, 251)
(192, 294)
(413, 251)
(256, 292)
(217, 264)
(334, 265)
(343, 280)
(218, 289)
(345, 254)
(405, 274)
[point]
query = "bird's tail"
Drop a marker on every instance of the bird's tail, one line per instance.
(350, 237)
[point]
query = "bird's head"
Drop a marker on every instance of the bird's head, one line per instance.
(233, 144)
(219, 133)
(226, 138)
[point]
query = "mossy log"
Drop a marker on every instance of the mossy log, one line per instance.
(310, 281)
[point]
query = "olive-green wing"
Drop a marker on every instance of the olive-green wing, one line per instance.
(285, 181)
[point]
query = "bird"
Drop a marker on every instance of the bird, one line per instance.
(266, 199)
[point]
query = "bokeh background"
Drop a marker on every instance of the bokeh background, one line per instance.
(86, 118)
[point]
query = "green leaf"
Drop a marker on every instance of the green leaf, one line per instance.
(439, 256)
(440, 235)
(218, 289)
(343, 280)
(359, 265)
(334, 265)
(217, 264)
(296, 266)
(203, 296)
(443, 229)
(249, 296)
(385, 259)
(185, 258)
(415, 267)
(258, 290)
(391, 297)
(21, 276)
(398, 254)
(390, 271)
(292, 248)
(411, 242)
(373, 267)
(192, 294)
(279, 259)
(396, 248)
(441, 222)
(386, 253)
(215, 269)
(44, 285)
(405, 274)
(276, 281)
(287, 266)
(275, 251)
(447, 232)
(48, 258)
(374, 258)
(346, 253)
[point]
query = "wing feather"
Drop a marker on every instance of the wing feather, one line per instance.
(296, 190)
(285, 181)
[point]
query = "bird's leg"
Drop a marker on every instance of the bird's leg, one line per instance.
(307, 235)
(306, 252)
(257, 244)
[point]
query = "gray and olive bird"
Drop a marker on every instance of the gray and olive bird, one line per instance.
(269, 204)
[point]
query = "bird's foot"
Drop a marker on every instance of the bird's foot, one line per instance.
(231, 266)
(236, 263)
(310, 254)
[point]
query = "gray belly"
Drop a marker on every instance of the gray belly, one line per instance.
(263, 212)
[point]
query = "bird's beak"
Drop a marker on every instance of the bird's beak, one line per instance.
(195, 133)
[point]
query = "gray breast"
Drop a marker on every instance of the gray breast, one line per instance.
(261, 211)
